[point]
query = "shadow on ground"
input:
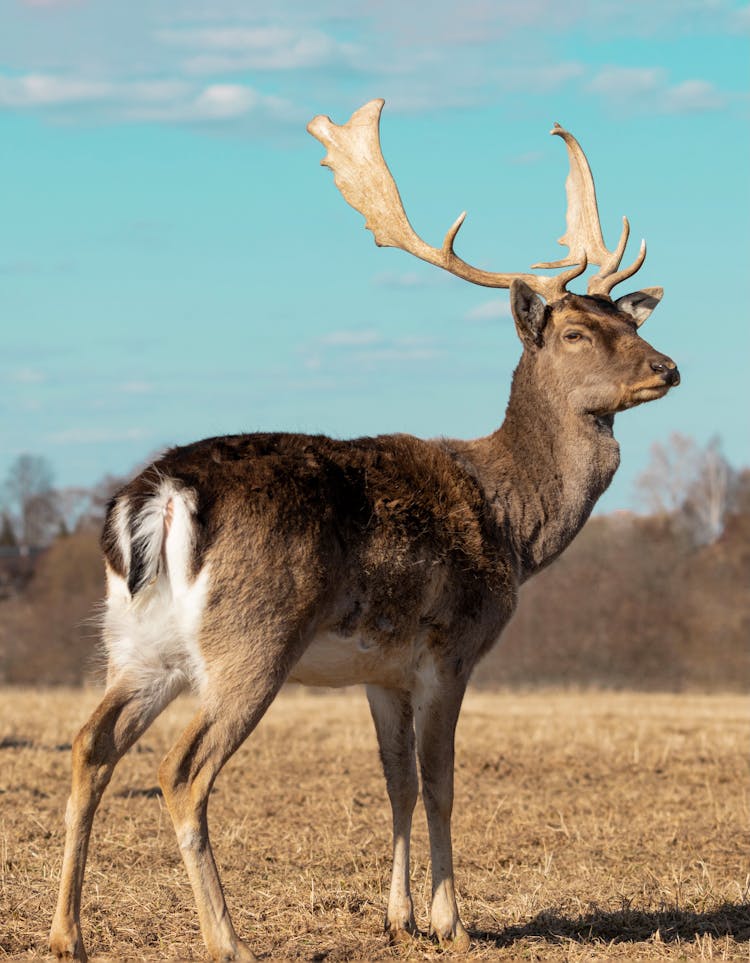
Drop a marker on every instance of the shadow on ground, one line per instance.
(627, 926)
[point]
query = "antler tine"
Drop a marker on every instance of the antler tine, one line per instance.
(603, 283)
(365, 182)
(584, 231)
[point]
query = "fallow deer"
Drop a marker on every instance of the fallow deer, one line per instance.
(237, 563)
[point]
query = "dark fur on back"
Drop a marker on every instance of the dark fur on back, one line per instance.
(390, 510)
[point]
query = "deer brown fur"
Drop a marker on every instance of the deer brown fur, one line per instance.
(237, 563)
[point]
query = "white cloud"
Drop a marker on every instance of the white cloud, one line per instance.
(219, 103)
(235, 48)
(628, 82)
(92, 61)
(154, 91)
(43, 90)
(740, 20)
(167, 101)
(445, 78)
(540, 78)
(222, 101)
(692, 96)
(49, 90)
(649, 88)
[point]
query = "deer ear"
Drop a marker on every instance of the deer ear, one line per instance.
(529, 313)
(640, 304)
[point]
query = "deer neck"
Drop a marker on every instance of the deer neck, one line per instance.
(543, 470)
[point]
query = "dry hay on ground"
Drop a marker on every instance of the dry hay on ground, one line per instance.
(595, 826)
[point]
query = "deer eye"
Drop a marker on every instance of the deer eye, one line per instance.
(572, 335)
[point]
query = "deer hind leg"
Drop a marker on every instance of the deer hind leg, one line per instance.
(119, 720)
(436, 706)
(394, 724)
(187, 775)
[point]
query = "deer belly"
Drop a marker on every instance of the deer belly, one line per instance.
(337, 660)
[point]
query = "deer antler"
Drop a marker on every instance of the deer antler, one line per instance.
(362, 176)
(584, 233)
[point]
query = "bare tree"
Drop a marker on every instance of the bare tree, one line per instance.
(692, 483)
(661, 488)
(74, 507)
(710, 495)
(7, 535)
(30, 499)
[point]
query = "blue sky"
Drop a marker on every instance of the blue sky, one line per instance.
(174, 263)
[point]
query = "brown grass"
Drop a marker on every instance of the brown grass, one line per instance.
(587, 827)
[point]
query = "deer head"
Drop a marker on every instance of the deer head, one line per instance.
(572, 327)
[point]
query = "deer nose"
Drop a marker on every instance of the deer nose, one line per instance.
(667, 369)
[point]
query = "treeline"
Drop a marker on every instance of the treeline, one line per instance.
(646, 601)
(655, 601)
(34, 511)
(635, 602)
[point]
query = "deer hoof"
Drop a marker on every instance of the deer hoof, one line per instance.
(68, 947)
(401, 932)
(240, 953)
(457, 941)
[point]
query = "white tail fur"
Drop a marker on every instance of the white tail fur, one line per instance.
(159, 538)
(154, 612)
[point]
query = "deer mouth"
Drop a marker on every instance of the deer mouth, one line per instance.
(648, 393)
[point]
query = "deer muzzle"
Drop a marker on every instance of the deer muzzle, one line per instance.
(668, 370)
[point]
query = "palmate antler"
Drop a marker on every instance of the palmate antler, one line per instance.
(365, 182)
(584, 234)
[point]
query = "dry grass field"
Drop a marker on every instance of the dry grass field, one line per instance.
(594, 826)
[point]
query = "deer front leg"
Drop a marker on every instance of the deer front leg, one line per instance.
(120, 718)
(437, 703)
(394, 724)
